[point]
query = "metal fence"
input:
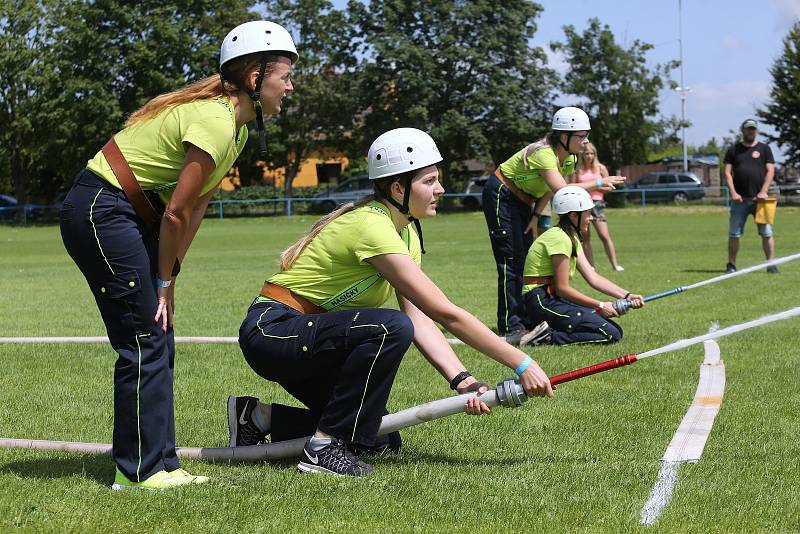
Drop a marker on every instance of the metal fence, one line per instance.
(222, 208)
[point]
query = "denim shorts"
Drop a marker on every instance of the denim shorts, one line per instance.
(599, 210)
(739, 213)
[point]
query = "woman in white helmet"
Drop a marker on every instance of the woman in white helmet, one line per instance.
(514, 198)
(132, 215)
(564, 314)
(318, 330)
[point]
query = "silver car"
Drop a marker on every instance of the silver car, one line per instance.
(353, 188)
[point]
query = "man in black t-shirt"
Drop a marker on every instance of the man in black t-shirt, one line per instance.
(749, 168)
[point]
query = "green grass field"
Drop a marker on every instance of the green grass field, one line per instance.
(585, 460)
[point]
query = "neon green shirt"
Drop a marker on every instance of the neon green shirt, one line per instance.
(529, 179)
(155, 148)
(332, 271)
(552, 242)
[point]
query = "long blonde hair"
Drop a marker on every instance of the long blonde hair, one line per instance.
(596, 165)
(232, 79)
(381, 187)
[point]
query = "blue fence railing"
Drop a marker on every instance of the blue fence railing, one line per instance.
(221, 208)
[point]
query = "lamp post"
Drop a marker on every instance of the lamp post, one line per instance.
(682, 90)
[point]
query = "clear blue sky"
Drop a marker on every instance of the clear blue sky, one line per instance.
(728, 48)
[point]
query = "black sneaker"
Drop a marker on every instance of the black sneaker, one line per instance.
(243, 431)
(388, 444)
(515, 337)
(772, 269)
(543, 338)
(333, 459)
(534, 337)
(730, 268)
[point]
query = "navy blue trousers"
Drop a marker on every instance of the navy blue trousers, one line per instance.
(507, 217)
(341, 365)
(570, 323)
(118, 256)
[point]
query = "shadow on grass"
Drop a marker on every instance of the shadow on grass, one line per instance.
(721, 271)
(94, 467)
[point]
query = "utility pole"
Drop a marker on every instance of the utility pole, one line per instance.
(682, 89)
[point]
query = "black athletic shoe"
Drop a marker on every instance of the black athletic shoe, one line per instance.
(515, 337)
(730, 268)
(535, 336)
(772, 269)
(388, 444)
(333, 459)
(541, 335)
(243, 431)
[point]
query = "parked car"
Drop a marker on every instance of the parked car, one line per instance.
(351, 189)
(787, 181)
(8, 208)
(667, 186)
(474, 193)
(47, 212)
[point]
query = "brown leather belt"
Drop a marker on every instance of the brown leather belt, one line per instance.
(136, 196)
(290, 298)
(523, 197)
(130, 185)
(537, 280)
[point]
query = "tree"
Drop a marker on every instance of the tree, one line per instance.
(464, 72)
(782, 112)
(25, 66)
(74, 70)
(320, 113)
(620, 91)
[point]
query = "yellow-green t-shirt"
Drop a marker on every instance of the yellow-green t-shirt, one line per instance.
(529, 178)
(155, 148)
(332, 271)
(552, 242)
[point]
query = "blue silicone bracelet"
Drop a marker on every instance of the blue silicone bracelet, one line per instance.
(599, 182)
(162, 283)
(524, 365)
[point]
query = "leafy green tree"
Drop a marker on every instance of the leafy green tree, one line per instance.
(782, 112)
(320, 113)
(618, 89)
(465, 72)
(74, 70)
(24, 62)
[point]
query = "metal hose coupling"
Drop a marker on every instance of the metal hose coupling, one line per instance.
(622, 306)
(510, 393)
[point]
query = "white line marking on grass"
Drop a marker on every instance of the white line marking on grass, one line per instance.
(661, 494)
(690, 439)
(103, 339)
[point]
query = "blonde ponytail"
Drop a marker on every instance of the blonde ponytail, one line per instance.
(232, 79)
(290, 255)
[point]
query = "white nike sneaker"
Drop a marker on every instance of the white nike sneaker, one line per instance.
(243, 431)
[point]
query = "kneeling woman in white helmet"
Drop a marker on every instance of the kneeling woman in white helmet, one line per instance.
(318, 330)
(565, 314)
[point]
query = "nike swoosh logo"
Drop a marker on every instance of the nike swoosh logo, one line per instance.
(242, 420)
(314, 459)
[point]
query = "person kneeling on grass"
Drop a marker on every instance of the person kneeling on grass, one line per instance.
(318, 330)
(565, 315)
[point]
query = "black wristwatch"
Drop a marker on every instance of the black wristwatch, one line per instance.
(459, 378)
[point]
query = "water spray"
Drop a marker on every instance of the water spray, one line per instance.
(622, 305)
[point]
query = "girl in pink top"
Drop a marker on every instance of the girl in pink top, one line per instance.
(589, 170)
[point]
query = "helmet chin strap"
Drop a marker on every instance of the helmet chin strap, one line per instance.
(566, 146)
(256, 98)
(577, 227)
(403, 208)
